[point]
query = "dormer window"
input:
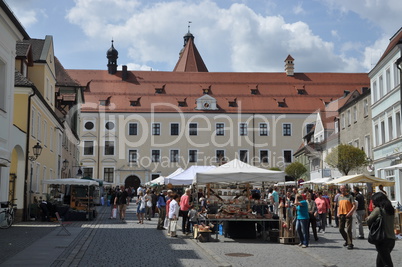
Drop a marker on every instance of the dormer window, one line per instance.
(233, 103)
(135, 103)
(206, 91)
(182, 103)
(160, 90)
(281, 103)
(301, 90)
(105, 102)
(254, 91)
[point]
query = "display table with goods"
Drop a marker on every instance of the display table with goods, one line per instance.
(239, 221)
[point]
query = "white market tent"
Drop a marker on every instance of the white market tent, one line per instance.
(187, 176)
(361, 178)
(71, 181)
(317, 181)
(161, 179)
(236, 171)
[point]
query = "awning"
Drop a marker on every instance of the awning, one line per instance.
(361, 178)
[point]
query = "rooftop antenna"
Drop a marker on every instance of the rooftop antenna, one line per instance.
(189, 26)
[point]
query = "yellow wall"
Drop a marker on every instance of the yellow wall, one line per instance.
(21, 111)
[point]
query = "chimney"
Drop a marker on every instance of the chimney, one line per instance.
(289, 66)
(124, 73)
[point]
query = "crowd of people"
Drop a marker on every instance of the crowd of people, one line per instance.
(305, 208)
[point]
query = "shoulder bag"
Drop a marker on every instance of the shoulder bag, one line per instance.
(377, 233)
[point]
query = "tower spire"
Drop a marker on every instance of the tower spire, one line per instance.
(112, 56)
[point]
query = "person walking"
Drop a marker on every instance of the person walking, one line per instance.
(360, 211)
(346, 208)
(161, 205)
(322, 209)
(312, 212)
(148, 205)
(174, 214)
(275, 196)
(302, 220)
(121, 201)
(335, 207)
(141, 208)
(184, 208)
(383, 206)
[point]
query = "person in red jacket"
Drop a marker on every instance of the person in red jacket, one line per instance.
(184, 208)
(322, 210)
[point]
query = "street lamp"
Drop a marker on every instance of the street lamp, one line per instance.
(65, 164)
(37, 150)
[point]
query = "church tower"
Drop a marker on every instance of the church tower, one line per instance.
(112, 56)
(289, 66)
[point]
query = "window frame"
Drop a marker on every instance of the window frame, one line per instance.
(156, 128)
(243, 129)
(263, 126)
(107, 148)
(285, 130)
(220, 129)
(173, 128)
(86, 148)
(155, 155)
(133, 128)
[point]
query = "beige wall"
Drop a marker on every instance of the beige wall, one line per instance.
(206, 142)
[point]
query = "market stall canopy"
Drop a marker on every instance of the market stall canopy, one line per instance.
(286, 183)
(236, 171)
(187, 176)
(100, 182)
(361, 178)
(71, 181)
(317, 181)
(161, 179)
(158, 181)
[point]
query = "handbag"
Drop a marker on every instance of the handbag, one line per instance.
(377, 233)
(114, 213)
(173, 225)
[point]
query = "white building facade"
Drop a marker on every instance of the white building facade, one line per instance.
(385, 80)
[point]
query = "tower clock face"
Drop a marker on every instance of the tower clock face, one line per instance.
(206, 105)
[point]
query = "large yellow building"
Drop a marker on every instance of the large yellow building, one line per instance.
(137, 125)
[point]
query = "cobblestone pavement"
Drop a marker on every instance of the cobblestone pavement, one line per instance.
(107, 242)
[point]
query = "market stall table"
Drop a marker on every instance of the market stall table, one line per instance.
(260, 221)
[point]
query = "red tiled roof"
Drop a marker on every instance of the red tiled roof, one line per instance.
(224, 87)
(289, 58)
(190, 59)
(396, 39)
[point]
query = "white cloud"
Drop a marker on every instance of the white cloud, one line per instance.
(27, 15)
(229, 39)
(298, 9)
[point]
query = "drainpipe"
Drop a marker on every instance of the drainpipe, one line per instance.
(25, 210)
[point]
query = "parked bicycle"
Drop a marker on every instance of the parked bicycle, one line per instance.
(6, 214)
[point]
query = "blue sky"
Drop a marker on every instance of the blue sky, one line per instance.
(231, 35)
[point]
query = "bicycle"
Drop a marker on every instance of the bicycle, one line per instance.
(7, 214)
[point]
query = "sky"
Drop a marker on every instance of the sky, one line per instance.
(231, 35)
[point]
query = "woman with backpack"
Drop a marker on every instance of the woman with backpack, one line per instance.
(384, 207)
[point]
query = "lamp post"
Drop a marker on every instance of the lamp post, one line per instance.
(37, 150)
